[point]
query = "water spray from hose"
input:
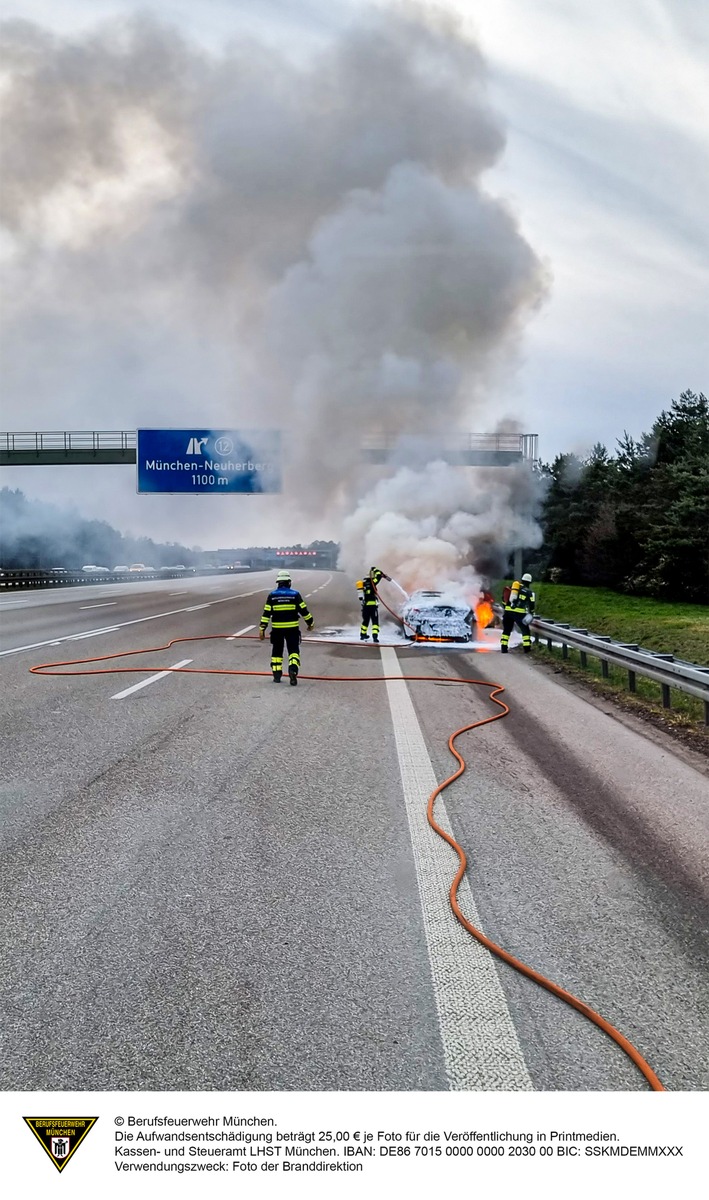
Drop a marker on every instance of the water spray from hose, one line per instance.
(398, 585)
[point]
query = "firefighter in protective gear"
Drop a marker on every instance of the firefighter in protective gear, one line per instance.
(370, 607)
(519, 610)
(284, 607)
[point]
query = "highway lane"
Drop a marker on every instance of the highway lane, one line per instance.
(195, 890)
(210, 883)
(29, 619)
(589, 856)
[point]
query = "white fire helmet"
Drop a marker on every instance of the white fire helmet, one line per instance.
(527, 578)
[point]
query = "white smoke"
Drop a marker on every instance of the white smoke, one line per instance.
(240, 240)
(442, 527)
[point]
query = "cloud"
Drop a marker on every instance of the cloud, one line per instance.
(607, 158)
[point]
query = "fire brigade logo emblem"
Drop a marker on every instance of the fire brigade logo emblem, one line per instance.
(60, 1136)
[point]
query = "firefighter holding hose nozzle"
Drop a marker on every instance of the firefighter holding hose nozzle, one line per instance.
(366, 589)
(519, 610)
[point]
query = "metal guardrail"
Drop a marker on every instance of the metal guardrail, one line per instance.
(665, 669)
(41, 579)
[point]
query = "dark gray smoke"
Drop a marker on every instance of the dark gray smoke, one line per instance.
(256, 241)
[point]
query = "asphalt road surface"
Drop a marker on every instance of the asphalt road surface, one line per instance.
(209, 882)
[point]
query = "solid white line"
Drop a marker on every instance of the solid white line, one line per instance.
(151, 679)
(196, 607)
(480, 1043)
(240, 631)
(106, 604)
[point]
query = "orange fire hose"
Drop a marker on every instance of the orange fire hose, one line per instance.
(496, 690)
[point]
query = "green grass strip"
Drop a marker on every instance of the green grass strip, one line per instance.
(679, 629)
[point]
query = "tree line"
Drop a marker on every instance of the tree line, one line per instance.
(37, 534)
(636, 520)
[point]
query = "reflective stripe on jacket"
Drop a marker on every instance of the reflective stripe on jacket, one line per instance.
(283, 608)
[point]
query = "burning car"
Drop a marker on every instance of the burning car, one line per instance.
(437, 617)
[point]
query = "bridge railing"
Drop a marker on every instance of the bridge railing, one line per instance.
(68, 440)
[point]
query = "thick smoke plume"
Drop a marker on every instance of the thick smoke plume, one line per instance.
(443, 525)
(249, 240)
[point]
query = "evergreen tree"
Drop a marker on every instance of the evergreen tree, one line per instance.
(637, 520)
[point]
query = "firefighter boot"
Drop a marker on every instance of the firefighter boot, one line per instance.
(375, 639)
(503, 649)
(526, 649)
(276, 676)
(293, 675)
(363, 637)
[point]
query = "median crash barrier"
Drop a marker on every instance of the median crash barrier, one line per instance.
(35, 578)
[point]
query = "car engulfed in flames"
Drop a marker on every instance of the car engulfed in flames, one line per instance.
(430, 616)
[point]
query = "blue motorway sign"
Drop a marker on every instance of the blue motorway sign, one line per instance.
(195, 461)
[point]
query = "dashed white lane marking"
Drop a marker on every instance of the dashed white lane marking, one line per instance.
(125, 624)
(240, 631)
(196, 607)
(106, 604)
(177, 593)
(151, 679)
(78, 637)
(480, 1043)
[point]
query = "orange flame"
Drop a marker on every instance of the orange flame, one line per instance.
(484, 614)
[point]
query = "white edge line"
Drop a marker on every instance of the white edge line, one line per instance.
(106, 604)
(151, 679)
(480, 1042)
(240, 631)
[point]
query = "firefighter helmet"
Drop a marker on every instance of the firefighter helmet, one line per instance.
(283, 577)
(527, 578)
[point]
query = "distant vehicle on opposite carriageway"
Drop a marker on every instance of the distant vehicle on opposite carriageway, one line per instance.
(91, 568)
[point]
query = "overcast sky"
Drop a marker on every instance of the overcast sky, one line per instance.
(606, 169)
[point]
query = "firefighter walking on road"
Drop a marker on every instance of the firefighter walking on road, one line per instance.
(284, 607)
(519, 610)
(370, 607)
